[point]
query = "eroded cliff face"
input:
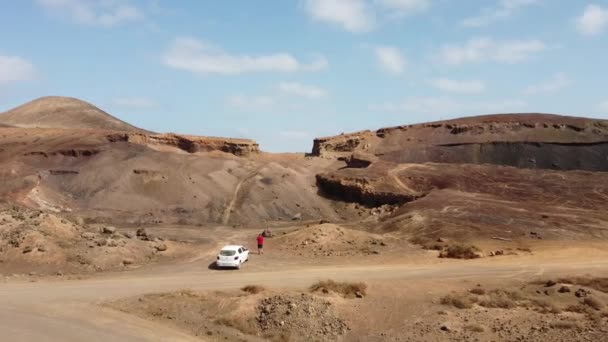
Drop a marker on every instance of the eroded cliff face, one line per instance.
(521, 140)
(190, 144)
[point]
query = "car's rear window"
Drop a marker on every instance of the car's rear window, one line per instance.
(227, 253)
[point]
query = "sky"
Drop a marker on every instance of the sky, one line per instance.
(285, 71)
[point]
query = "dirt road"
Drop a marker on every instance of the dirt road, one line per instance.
(68, 310)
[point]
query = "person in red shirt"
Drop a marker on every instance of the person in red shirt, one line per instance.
(260, 244)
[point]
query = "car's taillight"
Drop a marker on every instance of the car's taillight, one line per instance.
(236, 258)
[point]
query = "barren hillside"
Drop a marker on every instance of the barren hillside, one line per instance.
(522, 140)
(63, 112)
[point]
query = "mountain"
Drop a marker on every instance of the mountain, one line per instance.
(63, 112)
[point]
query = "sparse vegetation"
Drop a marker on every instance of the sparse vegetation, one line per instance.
(546, 306)
(597, 283)
(458, 301)
(499, 299)
(253, 289)
(343, 288)
(477, 291)
(593, 302)
(460, 251)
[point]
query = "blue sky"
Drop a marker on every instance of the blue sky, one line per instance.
(282, 72)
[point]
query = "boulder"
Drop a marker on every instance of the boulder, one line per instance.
(108, 230)
(161, 247)
(88, 235)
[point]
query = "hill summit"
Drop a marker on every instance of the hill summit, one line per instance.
(63, 112)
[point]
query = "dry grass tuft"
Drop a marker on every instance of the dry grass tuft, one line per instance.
(501, 299)
(253, 289)
(348, 290)
(459, 251)
(594, 302)
(545, 306)
(458, 301)
(478, 291)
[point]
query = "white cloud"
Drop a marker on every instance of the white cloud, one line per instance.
(298, 89)
(195, 56)
(105, 13)
(251, 102)
(351, 15)
(390, 59)
(135, 103)
(405, 7)
(439, 106)
(15, 69)
(593, 21)
(555, 84)
(487, 49)
(295, 134)
(504, 10)
(459, 87)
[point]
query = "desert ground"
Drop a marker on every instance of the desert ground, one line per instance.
(490, 228)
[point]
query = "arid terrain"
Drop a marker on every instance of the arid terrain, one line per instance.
(491, 228)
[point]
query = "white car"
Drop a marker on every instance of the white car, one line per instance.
(232, 256)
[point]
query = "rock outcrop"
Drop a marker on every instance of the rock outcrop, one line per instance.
(522, 140)
(189, 143)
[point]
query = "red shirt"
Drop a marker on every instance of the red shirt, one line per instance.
(260, 240)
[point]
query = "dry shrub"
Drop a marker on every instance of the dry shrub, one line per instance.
(600, 284)
(458, 301)
(344, 288)
(593, 302)
(474, 328)
(478, 291)
(546, 306)
(501, 299)
(578, 308)
(565, 325)
(253, 289)
(243, 325)
(459, 251)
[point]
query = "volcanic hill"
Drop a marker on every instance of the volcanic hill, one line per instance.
(63, 112)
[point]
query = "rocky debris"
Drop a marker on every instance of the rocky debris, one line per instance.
(88, 235)
(108, 230)
(267, 233)
(27, 249)
(564, 289)
(311, 317)
(161, 247)
(129, 235)
(143, 234)
(297, 217)
(550, 283)
(127, 261)
(360, 160)
(582, 293)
